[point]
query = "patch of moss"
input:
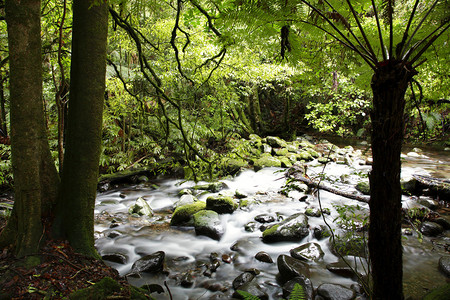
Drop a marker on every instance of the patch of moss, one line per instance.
(304, 155)
(184, 213)
(441, 293)
(270, 230)
(101, 290)
(221, 204)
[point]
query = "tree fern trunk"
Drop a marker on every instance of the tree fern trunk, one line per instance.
(389, 85)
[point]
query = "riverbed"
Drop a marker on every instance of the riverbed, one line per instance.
(188, 254)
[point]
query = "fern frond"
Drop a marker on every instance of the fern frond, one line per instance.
(298, 293)
(247, 295)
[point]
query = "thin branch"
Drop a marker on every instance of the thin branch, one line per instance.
(369, 46)
(205, 13)
(391, 28)
(370, 61)
(405, 34)
(380, 33)
(174, 46)
(420, 24)
(430, 42)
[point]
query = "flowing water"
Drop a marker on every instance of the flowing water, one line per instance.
(134, 237)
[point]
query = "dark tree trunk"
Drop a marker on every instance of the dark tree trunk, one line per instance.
(35, 176)
(389, 85)
(75, 219)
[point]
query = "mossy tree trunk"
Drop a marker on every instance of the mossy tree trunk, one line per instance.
(389, 85)
(35, 176)
(75, 213)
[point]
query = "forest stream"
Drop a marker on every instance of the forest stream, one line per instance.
(199, 267)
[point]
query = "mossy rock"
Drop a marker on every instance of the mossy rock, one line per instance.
(183, 214)
(221, 204)
(266, 161)
(276, 142)
(285, 162)
(313, 153)
(101, 290)
(212, 187)
(293, 148)
(281, 151)
(254, 137)
(293, 157)
(141, 208)
(304, 155)
(363, 187)
(306, 144)
(234, 165)
(441, 293)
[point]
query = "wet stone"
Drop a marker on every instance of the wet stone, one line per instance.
(443, 222)
(207, 223)
(294, 228)
(226, 258)
(304, 282)
(265, 218)
(113, 234)
(242, 279)
(252, 288)
(250, 227)
(342, 269)
(430, 229)
(444, 265)
(149, 264)
(335, 292)
(118, 258)
(187, 280)
(308, 252)
(290, 267)
(264, 257)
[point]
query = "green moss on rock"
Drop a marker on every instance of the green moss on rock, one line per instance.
(266, 161)
(101, 290)
(221, 204)
(183, 214)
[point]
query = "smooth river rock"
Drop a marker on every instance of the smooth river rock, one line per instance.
(290, 267)
(149, 264)
(294, 228)
(308, 252)
(431, 228)
(304, 282)
(444, 265)
(335, 292)
(207, 223)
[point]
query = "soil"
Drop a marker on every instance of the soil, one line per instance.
(60, 273)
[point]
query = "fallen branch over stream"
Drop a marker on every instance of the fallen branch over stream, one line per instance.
(297, 174)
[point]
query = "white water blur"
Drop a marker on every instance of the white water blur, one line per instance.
(139, 238)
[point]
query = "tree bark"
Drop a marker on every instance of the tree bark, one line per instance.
(84, 128)
(35, 175)
(389, 84)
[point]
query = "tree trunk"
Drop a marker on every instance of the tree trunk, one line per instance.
(35, 175)
(84, 128)
(389, 85)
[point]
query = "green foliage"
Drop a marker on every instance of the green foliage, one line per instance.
(298, 293)
(6, 178)
(344, 112)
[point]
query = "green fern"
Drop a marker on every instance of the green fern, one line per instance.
(247, 295)
(298, 293)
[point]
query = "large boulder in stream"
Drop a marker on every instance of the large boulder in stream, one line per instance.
(221, 204)
(151, 263)
(183, 215)
(141, 208)
(430, 228)
(266, 160)
(207, 223)
(290, 268)
(294, 228)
